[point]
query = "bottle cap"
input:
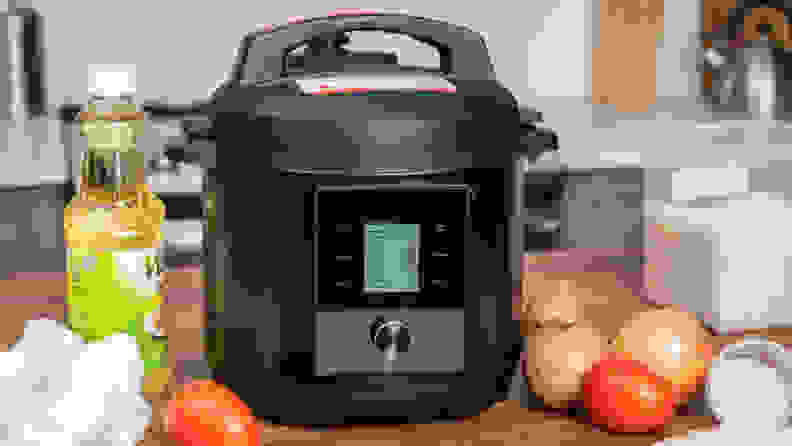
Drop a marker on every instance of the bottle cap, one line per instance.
(112, 80)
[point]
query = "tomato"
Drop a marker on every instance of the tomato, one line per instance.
(623, 395)
(204, 413)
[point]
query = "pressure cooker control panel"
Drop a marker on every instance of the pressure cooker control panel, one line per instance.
(396, 245)
(389, 341)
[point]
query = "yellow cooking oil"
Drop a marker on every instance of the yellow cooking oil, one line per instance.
(113, 233)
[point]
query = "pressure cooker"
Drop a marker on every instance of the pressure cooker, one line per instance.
(365, 223)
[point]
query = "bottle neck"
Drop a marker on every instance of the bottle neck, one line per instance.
(112, 170)
(120, 109)
(113, 177)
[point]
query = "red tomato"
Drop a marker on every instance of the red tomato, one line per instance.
(623, 395)
(204, 413)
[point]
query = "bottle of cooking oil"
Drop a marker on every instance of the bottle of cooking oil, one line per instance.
(113, 232)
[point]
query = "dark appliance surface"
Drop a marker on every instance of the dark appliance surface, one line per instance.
(296, 182)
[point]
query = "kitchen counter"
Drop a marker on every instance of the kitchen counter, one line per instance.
(676, 132)
(26, 296)
(505, 424)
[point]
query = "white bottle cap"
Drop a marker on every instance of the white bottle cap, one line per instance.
(112, 80)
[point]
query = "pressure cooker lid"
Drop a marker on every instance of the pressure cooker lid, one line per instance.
(391, 120)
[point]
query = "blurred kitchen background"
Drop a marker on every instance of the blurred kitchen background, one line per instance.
(620, 81)
(180, 52)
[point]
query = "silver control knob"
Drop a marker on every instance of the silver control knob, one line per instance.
(390, 337)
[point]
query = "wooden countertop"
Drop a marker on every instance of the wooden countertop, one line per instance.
(505, 424)
(27, 296)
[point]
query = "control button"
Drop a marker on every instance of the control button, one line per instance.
(440, 283)
(346, 284)
(344, 227)
(344, 258)
(439, 254)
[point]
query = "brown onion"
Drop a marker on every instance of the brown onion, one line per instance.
(671, 342)
(557, 358)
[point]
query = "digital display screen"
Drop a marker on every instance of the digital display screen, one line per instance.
(391, 257)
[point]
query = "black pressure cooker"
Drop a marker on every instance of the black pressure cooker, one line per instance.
(365, 226)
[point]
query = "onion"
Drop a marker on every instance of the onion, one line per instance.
(672, 343)
(556, 360)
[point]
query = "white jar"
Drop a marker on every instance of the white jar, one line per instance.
(750, 387)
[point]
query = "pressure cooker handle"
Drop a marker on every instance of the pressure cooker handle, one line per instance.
(462, 51)
(328, 27)
(543, 185)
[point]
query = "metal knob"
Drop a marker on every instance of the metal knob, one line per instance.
(390, 337)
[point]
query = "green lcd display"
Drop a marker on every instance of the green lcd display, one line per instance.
(391, 257)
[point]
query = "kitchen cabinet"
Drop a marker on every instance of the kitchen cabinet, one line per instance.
(31, 229)
(623, 57)
(602, 210)
(589, 211)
